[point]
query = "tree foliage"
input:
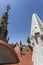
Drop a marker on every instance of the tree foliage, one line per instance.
(28, 40)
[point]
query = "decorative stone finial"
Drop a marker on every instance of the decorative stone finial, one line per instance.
(8, 7)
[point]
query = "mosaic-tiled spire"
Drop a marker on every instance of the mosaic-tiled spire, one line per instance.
(4, 24)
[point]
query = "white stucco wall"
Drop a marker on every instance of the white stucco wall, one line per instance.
(37, 26)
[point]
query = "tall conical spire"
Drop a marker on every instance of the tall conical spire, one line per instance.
(5, 15)
(4, 22)
(37, 25)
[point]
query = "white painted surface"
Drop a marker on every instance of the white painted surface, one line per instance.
(37, 27)
(38, 55)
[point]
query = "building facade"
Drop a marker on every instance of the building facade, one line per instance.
(37, 40)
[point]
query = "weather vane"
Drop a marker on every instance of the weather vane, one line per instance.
(8, 7)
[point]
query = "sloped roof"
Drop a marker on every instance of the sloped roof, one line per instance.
(7, 54)
(25, 59)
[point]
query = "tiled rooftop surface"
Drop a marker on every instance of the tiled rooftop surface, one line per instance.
(25, 59)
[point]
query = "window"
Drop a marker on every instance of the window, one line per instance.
(35, 27)
(1, 22)
(36, 40)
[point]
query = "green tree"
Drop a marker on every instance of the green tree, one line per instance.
(28, 40)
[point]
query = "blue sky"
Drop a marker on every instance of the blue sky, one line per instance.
(20, 16)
